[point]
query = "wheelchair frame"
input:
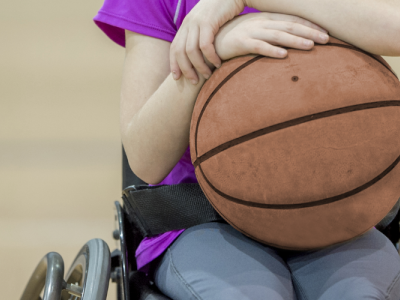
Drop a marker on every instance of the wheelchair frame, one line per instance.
(94, 266)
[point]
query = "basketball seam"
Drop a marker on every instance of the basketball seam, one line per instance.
(293, 122)
(362, 51)
(308, 204)
(254, 60)
(279, 126)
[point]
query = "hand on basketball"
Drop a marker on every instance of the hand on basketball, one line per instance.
(263, 33)
(193, 43)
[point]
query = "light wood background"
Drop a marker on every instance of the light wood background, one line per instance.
(60, 151)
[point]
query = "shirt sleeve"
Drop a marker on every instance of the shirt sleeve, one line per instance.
(149, 17)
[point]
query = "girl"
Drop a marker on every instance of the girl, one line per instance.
(213, 260)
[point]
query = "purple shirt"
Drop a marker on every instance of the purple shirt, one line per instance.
(160, 19)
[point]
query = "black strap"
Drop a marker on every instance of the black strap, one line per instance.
(158, 209)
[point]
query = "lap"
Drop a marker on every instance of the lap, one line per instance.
(215, 261)
(367, 267)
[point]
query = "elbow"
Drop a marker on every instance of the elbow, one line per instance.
(391, 49)
(389, 40)
(390, 43)
(134, 165)
(141, 169)
(396, 47)
(384, 42)
(141, 175)
(396, 40)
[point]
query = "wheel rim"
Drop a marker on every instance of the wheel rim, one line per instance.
(48, 274)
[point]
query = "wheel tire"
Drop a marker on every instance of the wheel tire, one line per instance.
(91, 271)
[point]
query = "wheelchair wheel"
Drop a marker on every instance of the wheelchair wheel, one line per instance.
(89, 274)
(48, 274)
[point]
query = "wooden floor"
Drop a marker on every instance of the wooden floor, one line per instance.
(60, 151)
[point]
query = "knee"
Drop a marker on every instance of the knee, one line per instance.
(356, 289)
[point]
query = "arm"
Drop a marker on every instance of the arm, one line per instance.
(155, 109)
(372, 25)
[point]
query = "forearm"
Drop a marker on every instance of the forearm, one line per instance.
(372, 25)
(155, 147)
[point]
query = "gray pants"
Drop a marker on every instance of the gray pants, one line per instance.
(214, 261)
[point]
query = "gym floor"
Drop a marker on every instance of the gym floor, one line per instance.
(60, 150)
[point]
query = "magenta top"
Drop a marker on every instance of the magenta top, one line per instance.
(160, 19)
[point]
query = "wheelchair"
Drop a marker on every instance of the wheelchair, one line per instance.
(94, 266)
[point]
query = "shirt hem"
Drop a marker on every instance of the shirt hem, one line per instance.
(122, 23)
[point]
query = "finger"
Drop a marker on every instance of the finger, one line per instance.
(194, 54)
(207, 46)
(180, 63)
(174, 66)
(176, 72)
(260, 47)
(182, 60)
(299, 34)
(281, 38)
(304, 31)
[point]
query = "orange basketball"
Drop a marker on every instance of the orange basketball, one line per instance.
(303, 152)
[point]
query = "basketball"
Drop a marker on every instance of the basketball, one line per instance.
(302, 152)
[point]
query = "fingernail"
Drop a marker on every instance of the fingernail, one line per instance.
(307, 42)
(218, 66)
(206, 76)
(194, 81)
(174, 75)
(323, 36)
(324, 30)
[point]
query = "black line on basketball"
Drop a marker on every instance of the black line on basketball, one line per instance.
(293, 122)
(308, 204)
(287, 124)
(219, 86)
(362, 51)
(257, 58)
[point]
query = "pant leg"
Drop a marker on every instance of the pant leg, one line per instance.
(367, 267)
(214, 261)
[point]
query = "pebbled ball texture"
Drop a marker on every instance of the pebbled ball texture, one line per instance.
(303, 152)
